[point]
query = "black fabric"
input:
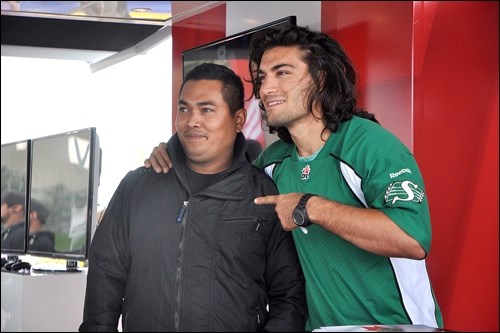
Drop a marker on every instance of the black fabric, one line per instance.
(198, 181)
(42, 241)
(13, 236)
(217, 269)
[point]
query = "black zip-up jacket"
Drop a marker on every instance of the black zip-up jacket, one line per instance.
(168, 260)
(42, 241)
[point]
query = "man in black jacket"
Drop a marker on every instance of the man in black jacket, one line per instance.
(40, 238)
(13, 220)
(189, 250)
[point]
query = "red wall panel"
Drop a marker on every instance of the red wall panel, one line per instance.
(377, 36)
(456, 133)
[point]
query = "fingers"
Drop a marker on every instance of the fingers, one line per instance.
(159, 159)
(162, 157)
(267, 200)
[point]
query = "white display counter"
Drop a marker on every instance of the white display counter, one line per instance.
(49, 302)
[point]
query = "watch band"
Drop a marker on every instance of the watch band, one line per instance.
(302, 206)
(303, 200)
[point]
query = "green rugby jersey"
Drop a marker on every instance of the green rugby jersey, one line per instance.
(361, 165)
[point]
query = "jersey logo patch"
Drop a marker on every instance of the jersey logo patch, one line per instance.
(403, 191)
(305, 172)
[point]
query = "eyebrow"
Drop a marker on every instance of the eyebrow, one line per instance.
(199, 104)
(276, 67)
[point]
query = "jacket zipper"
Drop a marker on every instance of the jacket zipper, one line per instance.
(182, 211)
(180, 219)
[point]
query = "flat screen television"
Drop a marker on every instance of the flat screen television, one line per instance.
(232, 51)
(15, 192)
(65, 172)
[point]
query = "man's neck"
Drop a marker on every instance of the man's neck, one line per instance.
(211, 167)
(309, 136)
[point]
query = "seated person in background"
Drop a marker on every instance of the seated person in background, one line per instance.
(254, 148)
(189, 251)
(13, 220)
(40, 239)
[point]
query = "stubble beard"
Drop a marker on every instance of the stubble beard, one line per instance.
(286, 119)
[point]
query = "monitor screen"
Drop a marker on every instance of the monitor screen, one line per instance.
(232, 51)
(65, 170)
(15, 177)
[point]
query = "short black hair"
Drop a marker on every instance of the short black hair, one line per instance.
(43, 212)
(12, 198)
(233, 92)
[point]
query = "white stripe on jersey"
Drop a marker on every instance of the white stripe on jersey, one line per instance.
(411, 275)
(269, 170)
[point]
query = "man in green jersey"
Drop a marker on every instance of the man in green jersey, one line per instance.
(350, 191)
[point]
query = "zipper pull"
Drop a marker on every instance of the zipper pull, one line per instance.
(181, 212)
(259, 221)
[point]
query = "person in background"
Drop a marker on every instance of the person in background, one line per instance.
(13, 220)
(189, 250)
(350, 191)
(254, 148)
(39, 239)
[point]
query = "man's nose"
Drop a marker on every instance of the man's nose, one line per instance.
(194, 119)
(267, 87)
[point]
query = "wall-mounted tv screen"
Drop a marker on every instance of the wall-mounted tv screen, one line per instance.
(65, 170)
(15, 178)
(232, 51)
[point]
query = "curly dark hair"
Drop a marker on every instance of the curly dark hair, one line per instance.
(332, 72)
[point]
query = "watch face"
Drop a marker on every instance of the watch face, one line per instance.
(298, 217)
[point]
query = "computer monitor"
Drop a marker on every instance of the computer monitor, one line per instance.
(65, 171)
(229, 49)
(14, 189)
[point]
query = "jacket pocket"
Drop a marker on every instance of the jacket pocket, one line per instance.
(242, 228)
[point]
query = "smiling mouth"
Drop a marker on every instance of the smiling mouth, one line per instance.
(274, 103)
(194, 137)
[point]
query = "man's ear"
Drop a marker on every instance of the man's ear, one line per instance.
(240, 117)
(33, 214)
